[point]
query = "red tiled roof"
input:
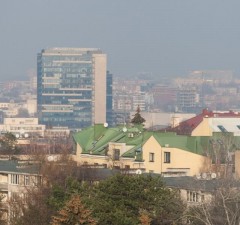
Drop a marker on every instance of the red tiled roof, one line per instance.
(186, 127)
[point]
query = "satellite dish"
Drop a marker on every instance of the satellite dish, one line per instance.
(204, 175)
(50, 158)
(26, 135)
(124, 129)
(138, 171)
(17, 135)
(198, 176)
(213, 175)
(105, 124)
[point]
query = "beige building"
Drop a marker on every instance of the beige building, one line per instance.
(209, 122)
(16, 178)
(31, 106)
(22, 127)
(134, 149)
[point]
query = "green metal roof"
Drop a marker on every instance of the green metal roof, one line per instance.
(95, 140)
(188, 143)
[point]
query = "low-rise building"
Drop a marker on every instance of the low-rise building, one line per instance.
(208, 122)
(16, 178)
(22, 127)
(133, 148)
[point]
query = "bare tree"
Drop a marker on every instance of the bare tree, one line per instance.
(223, 209)
(221, 150)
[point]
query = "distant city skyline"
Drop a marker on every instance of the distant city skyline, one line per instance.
(158, 37)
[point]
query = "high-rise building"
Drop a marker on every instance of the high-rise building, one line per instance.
(71, 87)
(109, 99)
(187, 99)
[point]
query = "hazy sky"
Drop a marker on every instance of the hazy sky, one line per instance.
(162, 37)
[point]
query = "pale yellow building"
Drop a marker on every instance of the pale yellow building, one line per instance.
(141, 151)
(16, 179)
(209, 122)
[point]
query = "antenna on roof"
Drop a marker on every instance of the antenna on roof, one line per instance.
(213, 175)
(124, 129)
(204, 176)
(198, 176)
(138, 171)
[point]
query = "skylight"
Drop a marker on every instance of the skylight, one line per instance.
(222, 128)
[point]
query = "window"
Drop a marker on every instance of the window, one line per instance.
(116, 167)
(127, 167)
(151, 157)
(116, 154)
(14, 179)
(167, 157)
(26, 180)
(193, 196)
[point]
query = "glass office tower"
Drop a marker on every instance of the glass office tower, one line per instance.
(71, 87)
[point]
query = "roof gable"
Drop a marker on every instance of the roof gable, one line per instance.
(186, 127)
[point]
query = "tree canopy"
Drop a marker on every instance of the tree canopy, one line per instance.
(129, 200)
(74, 212)
(121, 199)
(8, 144)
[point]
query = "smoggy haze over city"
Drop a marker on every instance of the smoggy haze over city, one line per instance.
(160, 37)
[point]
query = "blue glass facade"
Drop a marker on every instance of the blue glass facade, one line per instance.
(66, 87)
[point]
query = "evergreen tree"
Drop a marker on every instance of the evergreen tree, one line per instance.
(138, 119)
(134, 200)
(8, 144)
(74, 212)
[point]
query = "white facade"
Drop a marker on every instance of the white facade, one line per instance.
(22, 127)
(31, 106)
(163, 119)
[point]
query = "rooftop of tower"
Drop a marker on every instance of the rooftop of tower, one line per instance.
(58, 50)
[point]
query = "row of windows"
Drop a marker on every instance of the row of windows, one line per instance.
(167, 157)
(27, 180)
(56, 107)
(26, 128)
(76, 92)
(67, 69)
